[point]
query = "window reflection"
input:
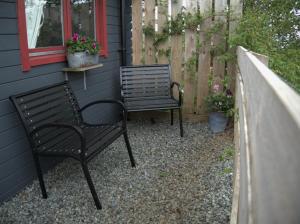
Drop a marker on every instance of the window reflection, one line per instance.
(44, 23)
(83, 17)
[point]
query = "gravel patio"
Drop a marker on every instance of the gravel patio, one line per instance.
(177, 180)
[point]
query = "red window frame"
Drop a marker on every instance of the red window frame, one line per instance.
(29, 61)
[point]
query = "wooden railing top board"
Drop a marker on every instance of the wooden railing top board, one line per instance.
(269, 145)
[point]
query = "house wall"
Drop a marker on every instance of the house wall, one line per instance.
(128, 36)
(16, 164)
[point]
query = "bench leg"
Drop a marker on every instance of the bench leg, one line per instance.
(172, 116)
(91, 185)
(180, 122)
(129, 149)
(40, 175)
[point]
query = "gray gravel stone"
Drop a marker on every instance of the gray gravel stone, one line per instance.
(177, 180)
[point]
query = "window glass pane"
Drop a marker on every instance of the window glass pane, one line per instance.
(83, 12)
(44, 23)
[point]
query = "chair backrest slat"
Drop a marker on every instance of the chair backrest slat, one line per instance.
(145, 81)
(52, 104)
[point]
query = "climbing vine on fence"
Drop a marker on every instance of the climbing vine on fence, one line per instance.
(186, 39)
(189, 21)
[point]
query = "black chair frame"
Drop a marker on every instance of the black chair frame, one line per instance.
(149, 88)
(43, 118)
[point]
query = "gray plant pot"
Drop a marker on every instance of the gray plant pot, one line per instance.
(217, 122)
(77, 60)
(92, 59)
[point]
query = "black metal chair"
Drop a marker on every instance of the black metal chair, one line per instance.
(55, 126)
(149, 87)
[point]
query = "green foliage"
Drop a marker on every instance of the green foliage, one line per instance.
(220, 99)
(158, 38)
(176, 24)
(164, 52)
(227, 170)
(191, 64)
(193, 20)
(220, 102)
(149, 31)
(227, 154)
(274, 34)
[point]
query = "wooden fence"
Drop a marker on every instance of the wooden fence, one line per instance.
(189, 52)
(267, 135)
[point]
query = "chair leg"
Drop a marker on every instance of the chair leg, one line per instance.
(172, 116)
(180, 122)
(40, 175)
(91, 185)
(128, 116)
(129, 149)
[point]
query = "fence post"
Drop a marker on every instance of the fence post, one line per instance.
(149, 20)
(204, 56)
(190, 66)
(219, 39)
(162, 9)
(137, 34)
(177, 47)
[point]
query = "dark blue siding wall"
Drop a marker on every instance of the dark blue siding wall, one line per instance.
(128, 25)
(16, 166)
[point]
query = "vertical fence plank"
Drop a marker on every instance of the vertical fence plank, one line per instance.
(162, 8)
(149, 20)
(176, 46)
(189, 77)
(219, 39)
(137, 34)
(204, 56)
(236, 10)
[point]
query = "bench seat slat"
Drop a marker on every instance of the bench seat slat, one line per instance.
(146, 98)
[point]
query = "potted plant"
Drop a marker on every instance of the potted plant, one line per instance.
(92, 50)
(220, 103)
(82, 51)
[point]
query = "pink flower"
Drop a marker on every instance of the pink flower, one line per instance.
(75, 37)
(94, 45)
(216, 87)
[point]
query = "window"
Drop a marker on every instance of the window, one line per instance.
(45, 25)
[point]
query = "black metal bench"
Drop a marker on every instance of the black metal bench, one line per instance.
(149, 87)
(55, 126)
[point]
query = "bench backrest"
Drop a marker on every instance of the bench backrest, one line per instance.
(51, 104)
(145, 81)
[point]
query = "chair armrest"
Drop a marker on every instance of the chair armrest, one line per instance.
(180, 91)
(73, 128)
(124, 110)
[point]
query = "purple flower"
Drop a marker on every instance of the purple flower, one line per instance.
(228, 92)
(94, 45)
